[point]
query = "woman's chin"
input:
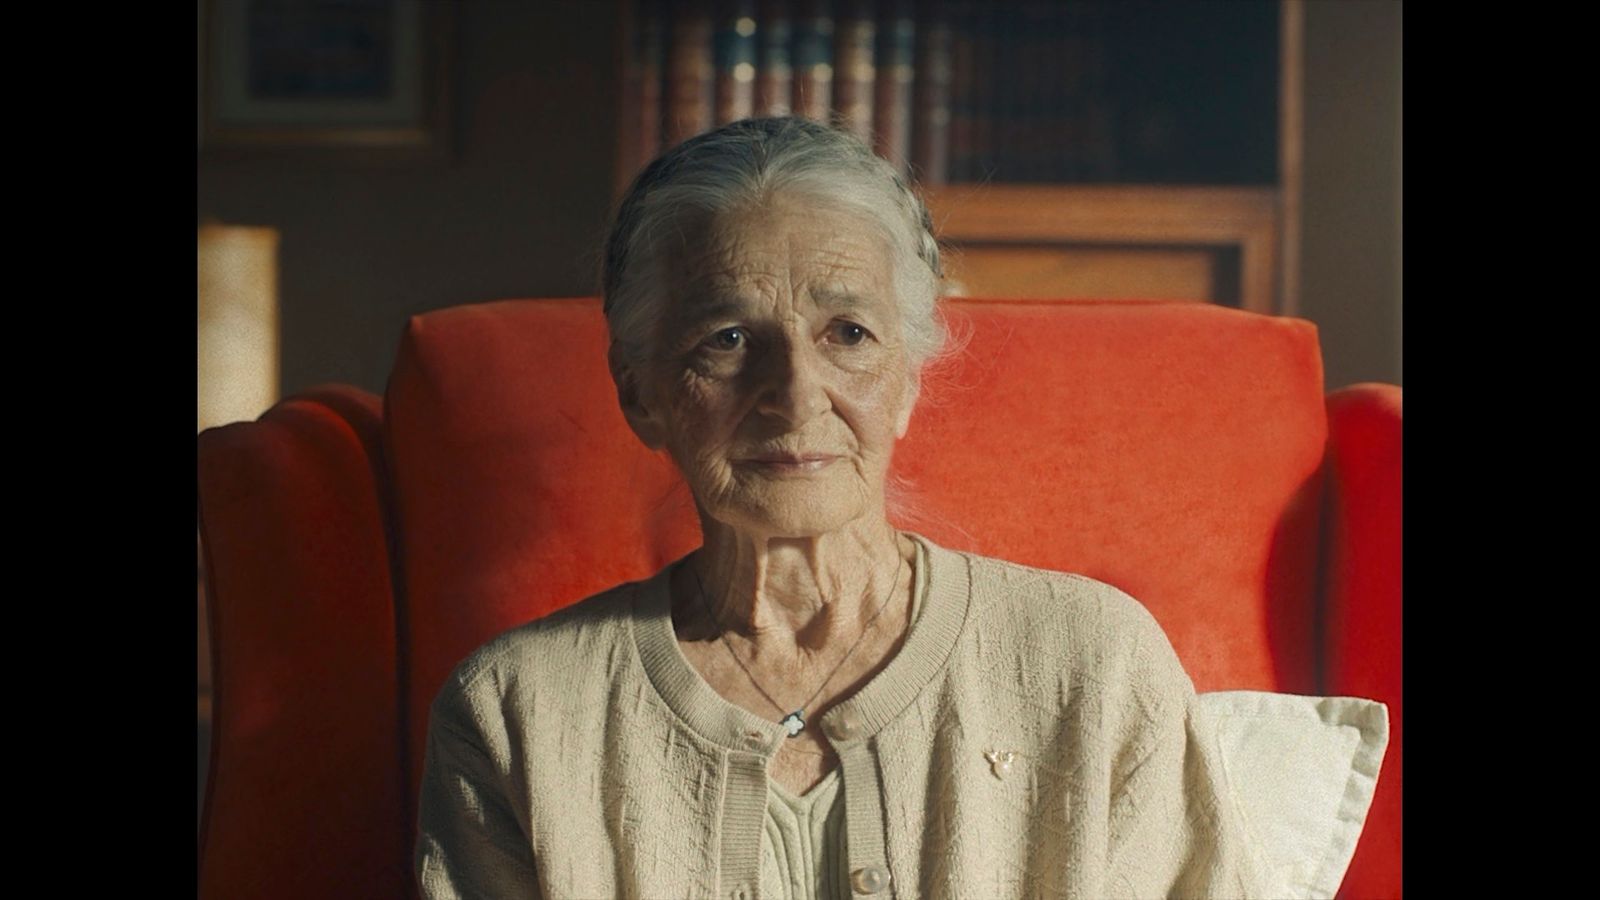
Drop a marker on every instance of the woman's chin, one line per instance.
(800, 515)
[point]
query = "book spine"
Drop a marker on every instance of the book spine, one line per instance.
(1038, 34)
(813, 60)
(1033, 26)
(1066, 97)
(735, 58)
(930, 129)
(689, 71)
(854, 69)
(775, 79)
(1005, 70)
(985, 94)
(1100, 160)
(897, 33)
(963, 141)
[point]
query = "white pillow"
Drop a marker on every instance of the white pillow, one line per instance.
(1302, 771)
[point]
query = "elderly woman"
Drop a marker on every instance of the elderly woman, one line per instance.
(813, 703)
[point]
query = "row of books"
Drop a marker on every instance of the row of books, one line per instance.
(951, 90)
(701, 63)
(1030, 93)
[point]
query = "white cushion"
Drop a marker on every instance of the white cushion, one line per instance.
(1302, 771)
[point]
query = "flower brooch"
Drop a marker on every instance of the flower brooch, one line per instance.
(1000, 761)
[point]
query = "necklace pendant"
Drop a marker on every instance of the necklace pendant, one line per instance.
(795, 722)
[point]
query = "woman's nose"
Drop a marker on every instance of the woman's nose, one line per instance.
(792, 387)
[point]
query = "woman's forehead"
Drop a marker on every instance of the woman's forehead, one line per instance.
(839, 256)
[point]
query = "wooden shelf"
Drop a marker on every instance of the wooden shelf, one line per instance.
(1094, 149)
(1211, 244)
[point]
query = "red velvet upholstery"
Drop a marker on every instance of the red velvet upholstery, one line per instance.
(1179, 451)
(1361, 641)
(305, 796)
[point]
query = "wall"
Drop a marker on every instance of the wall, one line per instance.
(1350, 262)
(517, 212)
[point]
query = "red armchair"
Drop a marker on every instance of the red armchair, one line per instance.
(359, 548)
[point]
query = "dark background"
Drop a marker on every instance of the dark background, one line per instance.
(518, 206)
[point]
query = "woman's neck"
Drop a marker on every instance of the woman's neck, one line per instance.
(791, 596)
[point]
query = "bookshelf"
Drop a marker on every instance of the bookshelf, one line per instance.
(1067, 148)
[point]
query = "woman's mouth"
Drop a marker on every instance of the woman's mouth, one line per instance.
(791, 464)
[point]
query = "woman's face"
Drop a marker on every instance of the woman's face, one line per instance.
(779, 381)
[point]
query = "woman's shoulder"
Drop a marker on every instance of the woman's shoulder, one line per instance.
(564, 644)
(1023, 593)
(1083, 622)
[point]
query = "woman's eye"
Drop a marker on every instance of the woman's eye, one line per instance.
(727, 339)
(849, 333)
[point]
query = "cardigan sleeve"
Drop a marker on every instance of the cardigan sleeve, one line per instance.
(1175, 829)
(470, 841)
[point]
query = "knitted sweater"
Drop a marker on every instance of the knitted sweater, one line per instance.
(581, 755)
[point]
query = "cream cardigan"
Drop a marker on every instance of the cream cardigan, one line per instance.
(581, 756)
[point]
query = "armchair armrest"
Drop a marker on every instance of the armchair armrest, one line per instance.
(306, 795)
(1361, 590)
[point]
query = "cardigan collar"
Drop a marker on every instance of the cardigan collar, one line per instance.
(858, 718)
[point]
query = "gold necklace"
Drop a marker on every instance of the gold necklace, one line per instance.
(795, 721)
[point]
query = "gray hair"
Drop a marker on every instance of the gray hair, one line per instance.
(748, 162)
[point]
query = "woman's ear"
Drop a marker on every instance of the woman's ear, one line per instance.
(641, 417)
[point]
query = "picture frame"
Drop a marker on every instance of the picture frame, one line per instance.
(347, 77)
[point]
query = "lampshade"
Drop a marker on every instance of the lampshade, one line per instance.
(238, 323)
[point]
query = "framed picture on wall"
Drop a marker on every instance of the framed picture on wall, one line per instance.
(326, 75)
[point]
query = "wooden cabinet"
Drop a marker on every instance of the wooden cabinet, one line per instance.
(1208, 244)
(1067, 148)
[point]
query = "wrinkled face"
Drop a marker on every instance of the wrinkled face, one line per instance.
(779, 381)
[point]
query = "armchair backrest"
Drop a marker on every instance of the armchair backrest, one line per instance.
(1171, 449)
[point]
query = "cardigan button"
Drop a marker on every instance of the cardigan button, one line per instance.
(869, 879)
(845, 725)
